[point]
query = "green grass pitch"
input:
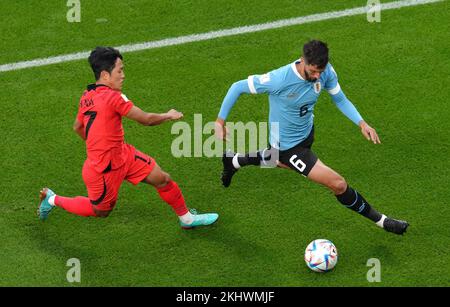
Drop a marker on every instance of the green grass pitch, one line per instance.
(396, 72)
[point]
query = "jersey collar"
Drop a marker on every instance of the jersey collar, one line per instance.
(294, 68)
(94, 86)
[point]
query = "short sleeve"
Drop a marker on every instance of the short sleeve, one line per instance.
(332, 84)
(122, 104)
(259, 84)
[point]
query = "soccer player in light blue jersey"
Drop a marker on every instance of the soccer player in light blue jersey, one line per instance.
(293, 92)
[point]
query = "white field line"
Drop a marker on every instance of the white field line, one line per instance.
(215, 34)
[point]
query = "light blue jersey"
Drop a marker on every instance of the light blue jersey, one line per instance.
(292, 100)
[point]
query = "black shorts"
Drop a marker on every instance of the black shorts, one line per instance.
(300, 158)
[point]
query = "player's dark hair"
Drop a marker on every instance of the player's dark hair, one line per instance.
(103, 58)
(315, 53)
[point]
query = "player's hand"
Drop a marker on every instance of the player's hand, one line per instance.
(220, 130)
(174, 114)
(369, 133)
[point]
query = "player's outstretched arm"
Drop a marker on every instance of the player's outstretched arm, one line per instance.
(347, 107)
(152, 119)
(237, 89)
(349, 110)
(78, 127)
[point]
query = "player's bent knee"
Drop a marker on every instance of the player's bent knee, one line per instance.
(162, 180)
(157, 178)
(339, 186)
(101, 213)
(165, 180)
(167, 177)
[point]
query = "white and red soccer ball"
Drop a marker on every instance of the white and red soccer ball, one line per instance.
(321, 255)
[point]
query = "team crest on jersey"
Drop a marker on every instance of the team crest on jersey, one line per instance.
(317, 87)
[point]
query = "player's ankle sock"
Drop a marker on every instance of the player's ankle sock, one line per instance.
(78, 205)
(353, 200)
(172, 195)
(51, 200)
(380, 223)
(187, 218)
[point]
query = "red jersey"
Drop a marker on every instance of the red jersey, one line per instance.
(101, 109)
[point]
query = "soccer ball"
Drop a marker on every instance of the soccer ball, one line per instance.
(321, 255)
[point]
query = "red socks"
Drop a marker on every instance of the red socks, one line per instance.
(82, 206)
(172, 195)
(78, 205)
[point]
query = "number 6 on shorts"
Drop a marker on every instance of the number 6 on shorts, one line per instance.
(299, 164)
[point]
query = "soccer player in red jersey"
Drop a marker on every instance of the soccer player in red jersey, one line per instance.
(110, 160)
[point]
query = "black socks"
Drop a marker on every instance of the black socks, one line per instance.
(353, 200)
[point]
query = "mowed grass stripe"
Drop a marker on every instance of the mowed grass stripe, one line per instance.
(215, 34)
